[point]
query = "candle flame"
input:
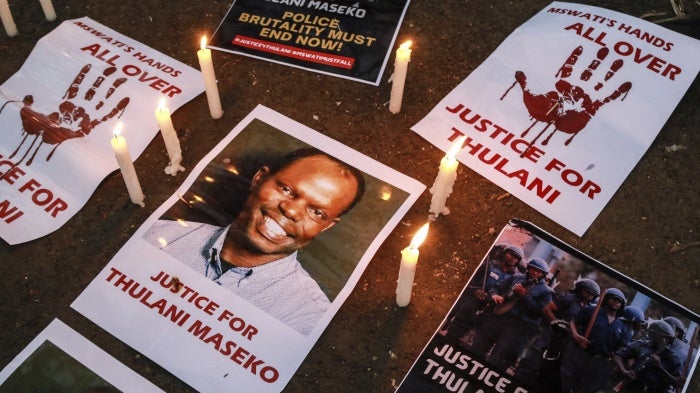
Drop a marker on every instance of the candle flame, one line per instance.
(456, 147)
(161, 104)
(406, 45)
(385, 192)
(203, 43)
(420, 236)
(232, 169)
(117, 129)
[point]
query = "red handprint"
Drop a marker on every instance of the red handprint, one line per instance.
(71, 120)
(568, 106)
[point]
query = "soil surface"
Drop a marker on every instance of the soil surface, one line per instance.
(371, 343)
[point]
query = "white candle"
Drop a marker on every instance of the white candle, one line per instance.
(207, 68)
(407, 272)
(121, 151)
(49, 12)
(172, 144)
(442, 187)
(7, 21)
(398, 80)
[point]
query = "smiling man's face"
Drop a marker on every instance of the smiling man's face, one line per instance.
(289, 208)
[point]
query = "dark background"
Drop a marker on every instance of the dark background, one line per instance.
(648, 231)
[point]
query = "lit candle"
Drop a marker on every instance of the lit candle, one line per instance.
(7, 21)
(442, 188)
(121, 151)
(207, 67)
(172, 144)
(409, 259)
(49, 12)
(403, 56)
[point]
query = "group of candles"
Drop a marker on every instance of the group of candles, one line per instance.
(167, 130)
(9, 23)
(441, 189)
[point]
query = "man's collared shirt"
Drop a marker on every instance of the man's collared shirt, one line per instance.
(281, 288)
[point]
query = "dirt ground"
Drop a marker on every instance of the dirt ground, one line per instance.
(371, 343)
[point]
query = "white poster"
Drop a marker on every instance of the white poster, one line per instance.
(566, 106)
(59, 112)
(233, 279)
(61, 360)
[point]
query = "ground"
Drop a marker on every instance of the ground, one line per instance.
(646, 231)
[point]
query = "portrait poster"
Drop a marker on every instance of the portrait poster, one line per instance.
(561, 112)
(61, 360)
(210, 331)
(60, 110)
(348, 39)
(517, 346)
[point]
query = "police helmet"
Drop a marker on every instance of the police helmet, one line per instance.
(614, 292)
(538, 264)
(587, 284)
(497, 249)
(516, 250)
(676, 324)
(661, 328)
(500, 246)
(633, 314)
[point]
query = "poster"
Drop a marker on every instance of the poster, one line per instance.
(512, 330)
(59, 112)
(233, 279)
(566, 106)
(61, 360)
(349, 39)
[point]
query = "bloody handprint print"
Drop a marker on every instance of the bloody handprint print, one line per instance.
(71, 120)
(569, 107)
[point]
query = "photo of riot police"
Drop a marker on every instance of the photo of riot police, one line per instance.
(539, 316)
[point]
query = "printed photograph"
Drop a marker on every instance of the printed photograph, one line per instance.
(539, 316)
(60, 360)
(278, 222)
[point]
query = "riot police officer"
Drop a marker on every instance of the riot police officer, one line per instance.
(483, 292)
(543, 359)
(653, 368)
(516, 319)
(633, 317)
(596, 333)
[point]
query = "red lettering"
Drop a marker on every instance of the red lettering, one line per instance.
(12, 174)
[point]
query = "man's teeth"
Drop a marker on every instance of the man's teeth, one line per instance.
(274, 228)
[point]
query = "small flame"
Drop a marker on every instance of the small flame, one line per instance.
(208, 179)
(203, 44)
(456, 147)
(161, 104)
(232, 169)
(420, 236)
(117, 129)
(162, 242)
(406, 45)
(182, 223)
(385, 192)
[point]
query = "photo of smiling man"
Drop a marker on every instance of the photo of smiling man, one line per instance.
(255, 256)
